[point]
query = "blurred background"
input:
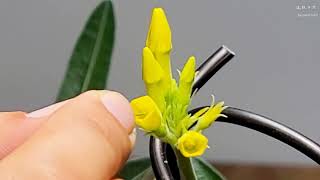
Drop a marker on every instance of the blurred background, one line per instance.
(275, 71)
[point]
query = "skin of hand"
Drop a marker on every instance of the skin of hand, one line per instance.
(88, 137)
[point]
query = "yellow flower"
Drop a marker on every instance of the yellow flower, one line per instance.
(192, 144)
(163, 112)
(147, 114)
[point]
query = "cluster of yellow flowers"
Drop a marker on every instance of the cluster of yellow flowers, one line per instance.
(163, 112)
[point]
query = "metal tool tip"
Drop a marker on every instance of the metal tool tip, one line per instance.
(227, 49)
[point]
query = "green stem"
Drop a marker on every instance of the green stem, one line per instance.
(185, 166)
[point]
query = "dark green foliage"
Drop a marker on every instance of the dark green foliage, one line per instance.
(89, 63)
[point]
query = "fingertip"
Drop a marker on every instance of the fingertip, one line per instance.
(92, 135)
(118, 105)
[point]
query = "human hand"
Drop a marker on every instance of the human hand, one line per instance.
(88, 137)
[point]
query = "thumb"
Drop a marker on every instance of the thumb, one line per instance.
(86, 138)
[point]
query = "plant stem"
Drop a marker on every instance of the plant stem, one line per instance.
(185, 166)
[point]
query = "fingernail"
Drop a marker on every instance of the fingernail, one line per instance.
(132, 137)
(46, 111)
(120, 108)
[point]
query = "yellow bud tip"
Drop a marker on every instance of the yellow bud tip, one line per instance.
(159, 35)
(151, 69)
(146, 112)
(192, 144)
(210, 116)
(188, 72)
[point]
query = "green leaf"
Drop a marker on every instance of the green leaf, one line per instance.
(139, 169)
(89, 63)
(205, 171)
(145, 175)
(139, 176)
(135, 168)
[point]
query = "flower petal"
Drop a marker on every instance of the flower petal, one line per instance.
(147, 114)
(192, 144)
(151, 69)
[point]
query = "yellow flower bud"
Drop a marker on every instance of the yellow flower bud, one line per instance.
(188, 121)
(159, 35)
(188, 71)
(147, 114)
(192, 144)
(186, 80)
(210, 116)
(159, 42)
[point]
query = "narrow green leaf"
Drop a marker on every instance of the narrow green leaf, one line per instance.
(135, 168)
(89, 63)
(145, 175)
(139, 169)
(140, 175)
(205, 171)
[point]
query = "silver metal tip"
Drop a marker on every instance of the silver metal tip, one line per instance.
(227, 49)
